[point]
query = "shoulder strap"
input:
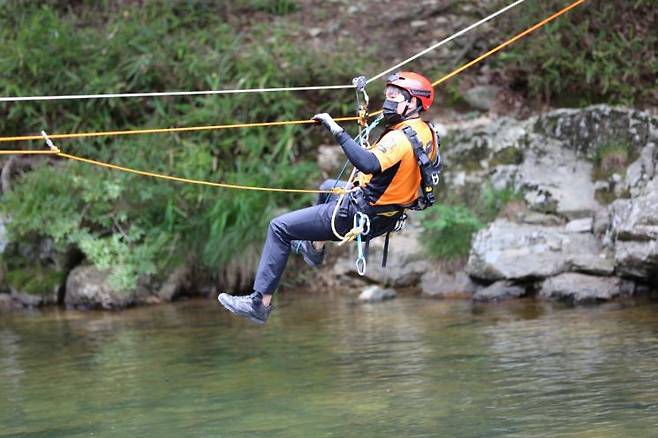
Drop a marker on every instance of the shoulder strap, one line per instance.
(419, 150)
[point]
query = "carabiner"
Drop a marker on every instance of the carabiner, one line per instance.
(362, 222)
(360, 83)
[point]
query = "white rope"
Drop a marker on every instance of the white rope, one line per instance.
(440, 43)
(171, 93)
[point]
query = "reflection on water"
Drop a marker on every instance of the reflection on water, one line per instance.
(326, 366)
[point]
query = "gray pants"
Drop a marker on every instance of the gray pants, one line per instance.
(312, 223)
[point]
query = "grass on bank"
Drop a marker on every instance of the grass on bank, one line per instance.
(449, 228)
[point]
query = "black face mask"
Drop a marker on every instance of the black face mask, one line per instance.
(390, 110)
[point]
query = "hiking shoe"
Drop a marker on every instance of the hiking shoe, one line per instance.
(249, 306)
(312, 256)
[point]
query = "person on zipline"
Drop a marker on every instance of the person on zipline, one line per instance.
(388, 182)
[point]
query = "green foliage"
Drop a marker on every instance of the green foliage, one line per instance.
(508, 155)
(35, 280)
(278, 7)
(135, 225)
(493, 201)
(448, 230)
(449, 227)
(599, 51)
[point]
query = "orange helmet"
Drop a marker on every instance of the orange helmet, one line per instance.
(416, 85)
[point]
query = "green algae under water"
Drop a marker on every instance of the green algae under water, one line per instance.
(324, 366)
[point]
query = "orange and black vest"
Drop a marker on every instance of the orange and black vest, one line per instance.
(399, 181)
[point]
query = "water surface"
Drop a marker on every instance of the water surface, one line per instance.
(324, 366)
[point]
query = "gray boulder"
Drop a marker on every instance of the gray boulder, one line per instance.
(549, 157)
(175, 284)
(580, 288)
(438, 284)
(373, 294)
(507, 251)
(580, 225)
(406, 262)
(500, 290)
(89, 288)
(34, 287)
(330, 159)
(556, 180)
(641, 171)
(582, 129)
(634, 230)
(7, 302)
(481, 96)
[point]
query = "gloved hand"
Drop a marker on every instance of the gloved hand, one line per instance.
(328, 123)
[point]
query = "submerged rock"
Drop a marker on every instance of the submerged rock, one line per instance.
(581, 288)
(373, 294)
(500, 290)
(437, 284)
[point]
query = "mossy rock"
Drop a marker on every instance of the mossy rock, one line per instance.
(612, 157)
(506, 156)
(38, 282)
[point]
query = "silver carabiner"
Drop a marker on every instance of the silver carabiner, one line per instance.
(361, 265)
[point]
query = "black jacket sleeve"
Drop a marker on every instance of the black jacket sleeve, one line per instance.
(364, 160)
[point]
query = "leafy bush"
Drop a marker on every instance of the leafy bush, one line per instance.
(599, 51)
(448, 230)
(492, 201)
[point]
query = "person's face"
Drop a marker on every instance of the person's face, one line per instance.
(394, 94)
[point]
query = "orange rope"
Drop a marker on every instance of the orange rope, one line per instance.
(194, 181)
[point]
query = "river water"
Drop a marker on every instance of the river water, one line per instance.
(325, 366)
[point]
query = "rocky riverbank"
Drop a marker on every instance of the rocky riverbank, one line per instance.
(586, 229)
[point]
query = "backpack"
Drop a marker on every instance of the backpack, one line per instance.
(429, 169)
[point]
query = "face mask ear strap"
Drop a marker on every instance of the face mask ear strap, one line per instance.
(408, 113)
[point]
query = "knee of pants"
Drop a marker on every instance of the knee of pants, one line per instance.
(277, 226)
(328, 184)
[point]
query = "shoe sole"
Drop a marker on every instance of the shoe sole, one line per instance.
(234, 311)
